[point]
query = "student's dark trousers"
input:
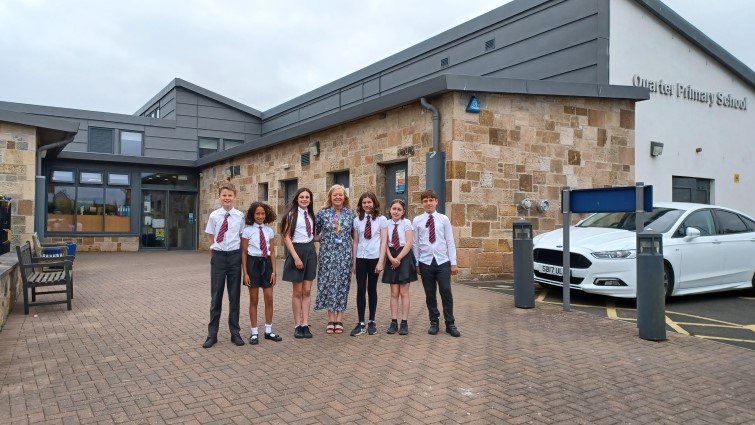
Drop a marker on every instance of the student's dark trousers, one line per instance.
(225, 268)
(437, 278)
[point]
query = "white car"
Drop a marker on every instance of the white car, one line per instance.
(706, 248)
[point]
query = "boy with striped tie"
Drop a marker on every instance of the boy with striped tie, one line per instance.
(435, 253)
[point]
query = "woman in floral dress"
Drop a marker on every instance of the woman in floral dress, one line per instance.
(333, 224)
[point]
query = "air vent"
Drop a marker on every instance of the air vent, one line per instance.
(305, 158)
(490, 45)
(444, 63)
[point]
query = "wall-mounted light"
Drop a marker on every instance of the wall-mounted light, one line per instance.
(656, 148)
(314, 148)
(232, 171)
(473, 106)
(526, 204)
(698, 150)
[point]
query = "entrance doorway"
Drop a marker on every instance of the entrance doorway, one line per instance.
(168, 220)
(396, 176)
(690, 189)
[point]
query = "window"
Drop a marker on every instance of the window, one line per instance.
(62, 176)
(90, 206)
(262, 192)
(101, 140)
(729, 222)
(117, 210)
(90, 178)
(208, 145)
(701, 220)
(118, 179)
(231, 143)
(750, 223)
(131, 143)
(342, 178)
(89, 209)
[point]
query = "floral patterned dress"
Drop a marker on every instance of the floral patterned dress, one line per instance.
(334, 267)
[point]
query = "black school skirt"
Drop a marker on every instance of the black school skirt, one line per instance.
(308, 255)
(405, 272)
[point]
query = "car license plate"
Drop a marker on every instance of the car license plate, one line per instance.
(554, 270)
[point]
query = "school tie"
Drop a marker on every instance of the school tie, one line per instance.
(309, 225)
(263, 243)
(223, 228)
(394, 238)
(368, 228)
(431, 228)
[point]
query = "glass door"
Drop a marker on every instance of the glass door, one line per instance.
(182, 230)
(153, 223)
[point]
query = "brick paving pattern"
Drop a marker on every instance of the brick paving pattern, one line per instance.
(130, 352)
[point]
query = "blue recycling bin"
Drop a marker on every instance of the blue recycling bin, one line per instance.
(71, 248)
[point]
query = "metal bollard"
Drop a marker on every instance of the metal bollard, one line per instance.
(524, 282)
(651, 301)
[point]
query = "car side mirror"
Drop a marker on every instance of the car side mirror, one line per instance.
(692, 232)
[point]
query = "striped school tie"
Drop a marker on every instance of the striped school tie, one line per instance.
(223, 228)
(431, 228)
(263, 243)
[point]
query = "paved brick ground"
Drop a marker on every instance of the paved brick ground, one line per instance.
(130, 352)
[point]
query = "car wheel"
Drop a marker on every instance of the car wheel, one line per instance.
(752, 290)
(668, 279)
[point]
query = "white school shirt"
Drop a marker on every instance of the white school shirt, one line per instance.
(403, 225)
(232, 239)
(444, 248)
(252, 234)
(369, 248)
(300, 233)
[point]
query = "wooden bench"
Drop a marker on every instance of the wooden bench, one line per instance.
(39, 272)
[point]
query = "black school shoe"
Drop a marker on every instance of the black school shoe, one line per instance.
(254, 339)
(393, 328)
(236, 339)
(273, 337)
(451, 329)
(298, 332)
(305, 331)
(210, 341)
(403, 329)
(433, 329)
(371, 328)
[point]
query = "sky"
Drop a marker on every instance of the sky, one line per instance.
(115, 56)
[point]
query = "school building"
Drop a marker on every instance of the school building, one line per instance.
(496, 115)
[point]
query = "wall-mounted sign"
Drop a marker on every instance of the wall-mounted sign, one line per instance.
(400, 181)
(159, 234)
(687, 92)
(158, 223)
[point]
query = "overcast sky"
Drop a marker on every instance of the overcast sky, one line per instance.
(114, 56)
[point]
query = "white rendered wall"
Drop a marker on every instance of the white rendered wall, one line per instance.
(640, 44)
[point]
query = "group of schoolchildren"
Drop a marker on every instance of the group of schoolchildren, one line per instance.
(362, 242)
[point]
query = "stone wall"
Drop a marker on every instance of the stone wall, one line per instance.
(517, 147)
(10, 284)
(99, 243)
(18, 146)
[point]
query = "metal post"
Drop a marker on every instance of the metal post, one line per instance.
(566, 210)
(524, 282)
(651, 302)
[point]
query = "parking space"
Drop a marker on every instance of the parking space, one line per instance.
(727, 317)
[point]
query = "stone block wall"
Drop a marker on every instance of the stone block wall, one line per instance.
(10, 284)
(18, 146)
(100, 243)
(517, 147)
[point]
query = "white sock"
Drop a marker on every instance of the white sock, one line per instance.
(361, 323)
(268, 328)
(254, 331)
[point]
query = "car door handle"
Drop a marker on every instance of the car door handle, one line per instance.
(716, 242)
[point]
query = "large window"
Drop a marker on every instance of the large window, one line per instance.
(89, 206)
(132, 143)
(208, 145)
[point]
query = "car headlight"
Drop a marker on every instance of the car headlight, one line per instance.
(618, 254)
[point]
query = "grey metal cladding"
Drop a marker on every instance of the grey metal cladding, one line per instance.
(220, 125)
(551, 67)
(177, 133)
(220, 112)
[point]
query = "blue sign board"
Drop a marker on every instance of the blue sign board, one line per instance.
(609, 199)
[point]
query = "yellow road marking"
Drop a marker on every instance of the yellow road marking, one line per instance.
(717, 338)
(747, 298)
(710, 325)
(611, 310)
(541, 297)
(704, 318)
(750, 327)
(675, 327)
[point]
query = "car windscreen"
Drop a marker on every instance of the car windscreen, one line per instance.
(660, 220)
